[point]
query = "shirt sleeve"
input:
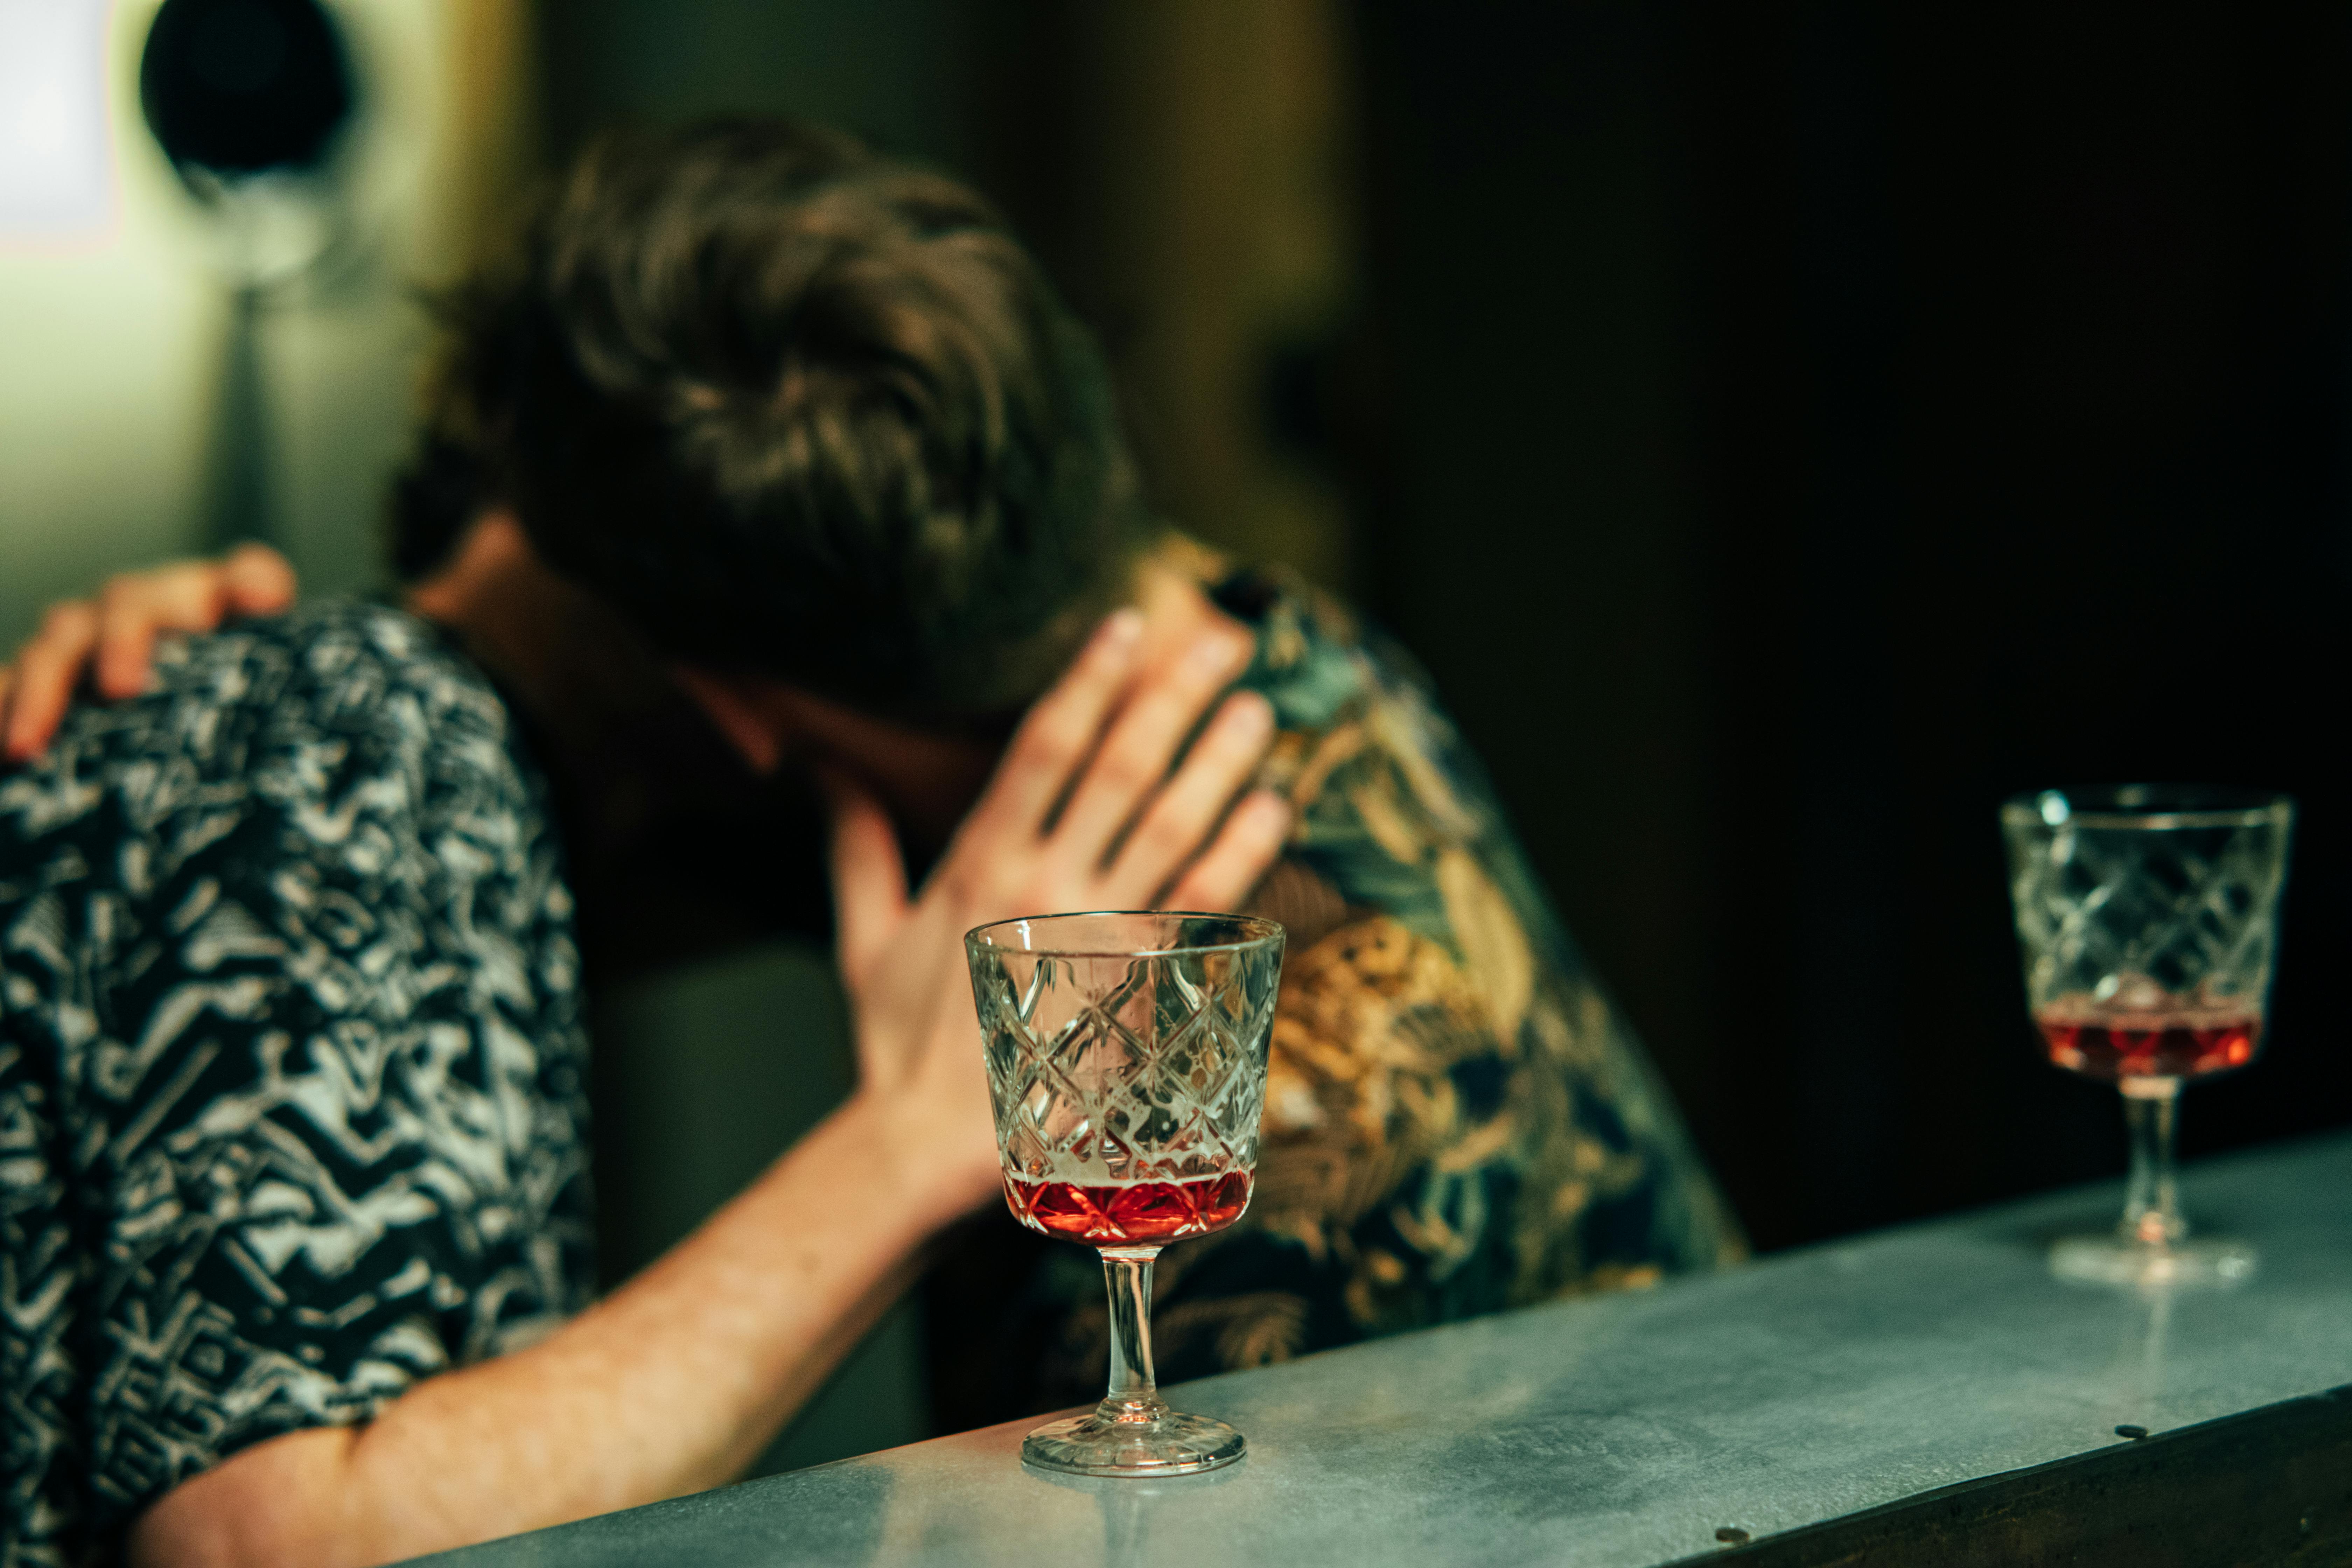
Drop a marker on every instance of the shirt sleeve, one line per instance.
(293, 1010)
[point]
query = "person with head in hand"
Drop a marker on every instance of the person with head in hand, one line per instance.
(774, 471)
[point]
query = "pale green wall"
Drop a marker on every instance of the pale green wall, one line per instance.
(705, 1073)
(111, 343)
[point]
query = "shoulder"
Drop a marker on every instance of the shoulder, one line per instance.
(285, 787)
(1313, 661)
(267, 712)
(1336, 683)
(339, 668)
(289, 1010)
(1385, 792)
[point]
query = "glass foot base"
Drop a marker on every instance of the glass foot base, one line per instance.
(2123, 1260)
(1169, 1444)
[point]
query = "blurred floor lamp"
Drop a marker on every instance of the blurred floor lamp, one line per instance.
(249, 100)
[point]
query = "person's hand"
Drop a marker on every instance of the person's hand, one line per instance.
(1084, 813)
(112, 637)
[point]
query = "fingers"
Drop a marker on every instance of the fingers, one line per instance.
(188, 596)
(1059, 732)
(259, 580)
(1178, 822)
(869, 876)
(1244, 852)
(114, 638)
(1166, 826)
(1134, 758)
(46, 667)
(126, 636)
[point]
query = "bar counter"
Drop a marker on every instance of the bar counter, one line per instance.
(1927, 1394)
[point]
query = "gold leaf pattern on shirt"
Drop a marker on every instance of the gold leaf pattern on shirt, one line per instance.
(1377, 807)
(1319, 758)
(1494, 945)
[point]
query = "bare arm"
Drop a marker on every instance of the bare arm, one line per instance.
(669, 1385)
(678, 1378)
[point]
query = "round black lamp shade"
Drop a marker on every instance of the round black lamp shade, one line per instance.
(237, 87)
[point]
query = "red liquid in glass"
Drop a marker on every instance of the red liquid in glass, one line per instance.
(2171, 1042)
(1137, 1212)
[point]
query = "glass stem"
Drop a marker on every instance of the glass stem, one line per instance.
(2152, 1201)
(1134, 1393)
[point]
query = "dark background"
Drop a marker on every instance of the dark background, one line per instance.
(1814, 426)
(1782, 431)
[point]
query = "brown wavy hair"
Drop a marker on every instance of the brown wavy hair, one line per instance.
(795, 408)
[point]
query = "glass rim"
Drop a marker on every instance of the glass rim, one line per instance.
(1264, 933)
(2148, 807)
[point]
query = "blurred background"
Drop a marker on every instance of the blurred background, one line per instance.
(1782, 432)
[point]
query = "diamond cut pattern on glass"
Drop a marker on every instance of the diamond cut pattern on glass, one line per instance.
(2128, 918)
(1123, 1069)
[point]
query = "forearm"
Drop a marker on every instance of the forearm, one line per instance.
(670, 1384)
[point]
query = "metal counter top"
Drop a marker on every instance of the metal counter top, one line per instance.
(1622, 1430)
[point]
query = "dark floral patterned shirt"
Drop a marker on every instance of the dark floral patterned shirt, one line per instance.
(291, 1079)
(1457, 1118)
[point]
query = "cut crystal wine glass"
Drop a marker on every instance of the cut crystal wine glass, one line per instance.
(2148, 920)
(1126, 1058)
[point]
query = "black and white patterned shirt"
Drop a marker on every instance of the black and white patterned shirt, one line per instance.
(292, 1078)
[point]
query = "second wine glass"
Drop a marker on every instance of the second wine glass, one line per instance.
(2148, 920)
